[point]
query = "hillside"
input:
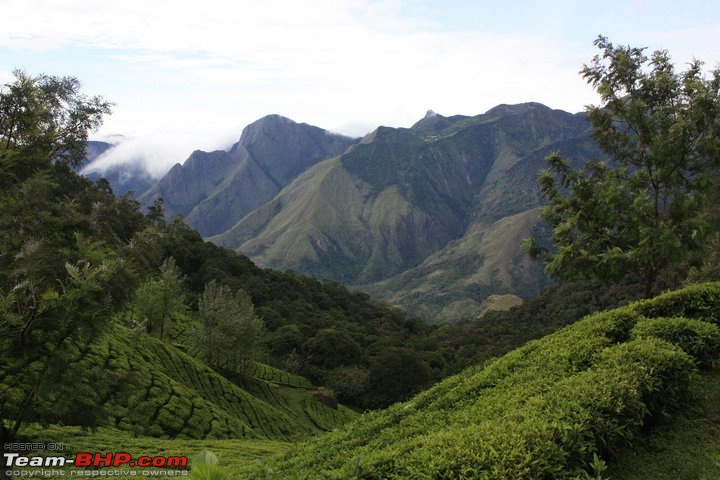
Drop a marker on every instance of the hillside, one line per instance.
(213, 190)
(398, 210)
(137, 383)
(543, 410)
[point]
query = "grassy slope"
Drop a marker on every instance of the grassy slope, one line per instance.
(233, 454)
(158, 390)
(541, 409)
(500, 400)
(487, 259)
(685, 448)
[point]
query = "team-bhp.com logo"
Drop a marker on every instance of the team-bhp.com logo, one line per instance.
(15, 461)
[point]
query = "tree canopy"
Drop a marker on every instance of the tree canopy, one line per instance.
(642, 213)
(45, 119)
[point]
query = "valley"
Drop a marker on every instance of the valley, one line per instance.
(384, 213)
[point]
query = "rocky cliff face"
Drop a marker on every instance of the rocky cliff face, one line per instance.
(214, 190)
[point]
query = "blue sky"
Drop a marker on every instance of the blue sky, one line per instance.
(187, 75)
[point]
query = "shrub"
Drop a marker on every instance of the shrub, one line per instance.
(545, 410)
(701, 302)
(700, 340)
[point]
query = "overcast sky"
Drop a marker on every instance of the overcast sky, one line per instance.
(192, 74)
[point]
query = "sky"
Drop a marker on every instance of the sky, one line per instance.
(188, 75)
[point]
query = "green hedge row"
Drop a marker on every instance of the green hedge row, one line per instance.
(701, 302)
(700, 340)
(270, 374)
(142, 385)
(541, 411)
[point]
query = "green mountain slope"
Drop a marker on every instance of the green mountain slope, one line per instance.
(541, 411)
(148, 387)
(453, 282)
(403, 202)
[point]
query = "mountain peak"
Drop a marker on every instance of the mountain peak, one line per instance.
(432, 122)
(505, 109)
(274, 118)
(269, 123)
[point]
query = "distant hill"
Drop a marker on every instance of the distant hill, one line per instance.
(214, 190)
(429, 217)
(123, 177)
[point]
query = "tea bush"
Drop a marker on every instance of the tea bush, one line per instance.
(701, 302)
(544, 410)
(701, 340)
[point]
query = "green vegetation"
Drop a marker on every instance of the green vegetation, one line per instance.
(544, 410)
(646, 214)
(230, 333)
(684, 447)
(110, 317)
(232, 454)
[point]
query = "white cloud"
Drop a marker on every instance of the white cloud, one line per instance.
(187, 71)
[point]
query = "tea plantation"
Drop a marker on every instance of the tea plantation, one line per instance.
(559, 407)
(154, 389)
(542, 411)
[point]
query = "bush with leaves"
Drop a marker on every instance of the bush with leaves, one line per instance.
(700, 340)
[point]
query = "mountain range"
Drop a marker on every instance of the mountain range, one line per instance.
(430, 218)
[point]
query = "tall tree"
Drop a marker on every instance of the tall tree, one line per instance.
(231, 332)
(160, 299)
(44, 119)
(641, 215)
(44, 319)
(59, 285)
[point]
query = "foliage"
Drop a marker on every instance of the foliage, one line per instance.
(60, 277)
(326, 417)
(551, 409)
(473, 341)
(318, 325)
(159, 300)
(331, 348)
(41, 322)
(231, 332)
(645, 214)
(205, 467)
(326, 397)
(44, 120)
(700, 340)
(349, 383)
(397, 373)
(79, 267)
(233, 454)
(685, 447)
(701, 302)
